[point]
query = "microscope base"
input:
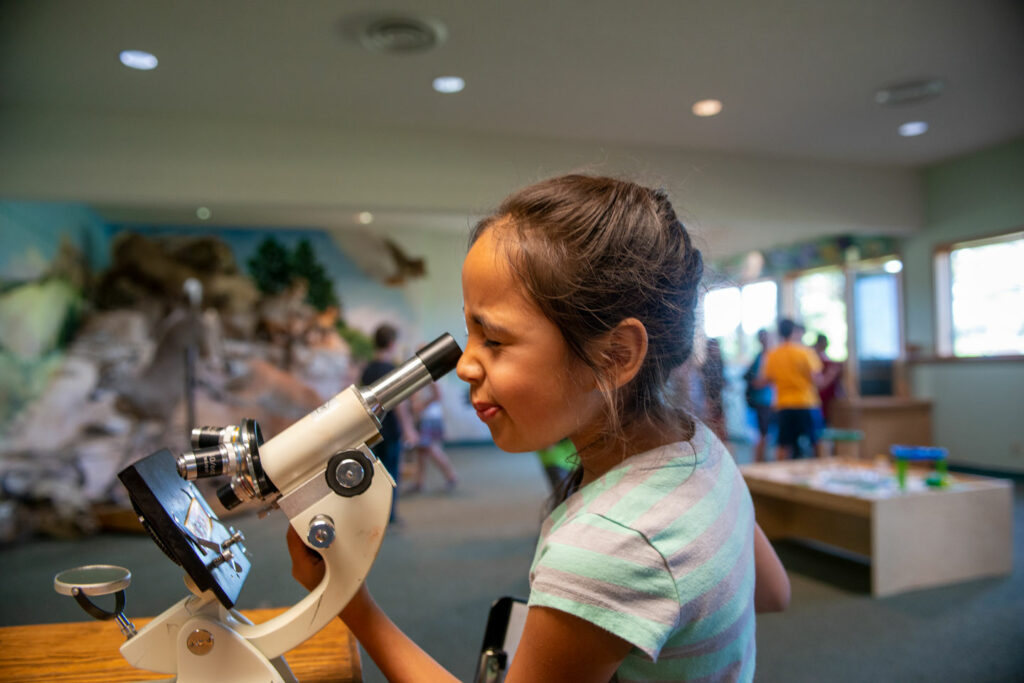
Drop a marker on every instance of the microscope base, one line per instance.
(195, 639)
(230, 657)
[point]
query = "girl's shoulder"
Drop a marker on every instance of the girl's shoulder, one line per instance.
(693, 452)
(650, 474)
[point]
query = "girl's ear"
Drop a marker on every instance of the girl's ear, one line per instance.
(626, 349)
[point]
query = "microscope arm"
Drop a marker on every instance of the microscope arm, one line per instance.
(359, 524)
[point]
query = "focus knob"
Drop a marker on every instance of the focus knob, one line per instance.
(321, 531)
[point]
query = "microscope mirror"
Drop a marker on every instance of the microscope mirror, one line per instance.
(93, 579)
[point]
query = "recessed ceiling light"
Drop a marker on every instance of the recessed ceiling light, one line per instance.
(203, 213)
(137, 59)
(707, 107)
(894, 266)
(912, 128)
(365, 217)
(449, 84)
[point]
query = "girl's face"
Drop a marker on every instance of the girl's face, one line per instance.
(524, 383)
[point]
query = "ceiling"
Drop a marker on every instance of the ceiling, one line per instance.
(797, 77)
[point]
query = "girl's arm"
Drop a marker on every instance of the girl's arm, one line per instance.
(771, 583)
(555, 646)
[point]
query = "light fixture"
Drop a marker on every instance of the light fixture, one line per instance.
(138, 59)
(203, 213)
(909, 92)
(707, 107)
(365, 217)
(912, 128)
(449, 84)
(894, 266)
(396, 34)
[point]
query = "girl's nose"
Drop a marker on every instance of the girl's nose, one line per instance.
(467, 368)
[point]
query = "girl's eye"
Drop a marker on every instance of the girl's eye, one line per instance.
(490, 343)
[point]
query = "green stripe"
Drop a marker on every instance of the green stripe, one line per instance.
(683, 668)
(593, 490)
(691, 525)
(700, 579)
(649, 493)
(643, 633)
(719, 620)
(594, 565)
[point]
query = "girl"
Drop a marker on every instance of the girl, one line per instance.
(580, 296)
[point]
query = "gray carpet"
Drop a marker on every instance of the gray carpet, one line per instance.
(437, 574)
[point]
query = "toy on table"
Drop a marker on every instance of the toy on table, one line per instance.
(904, 454)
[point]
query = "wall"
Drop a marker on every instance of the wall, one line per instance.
(436, 301)
(733, 203)
(31, 234)
(978, 408)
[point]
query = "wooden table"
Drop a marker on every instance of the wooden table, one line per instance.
(88, 651)
(914, 539)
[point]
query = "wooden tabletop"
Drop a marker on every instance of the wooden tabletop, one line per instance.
(87, 651)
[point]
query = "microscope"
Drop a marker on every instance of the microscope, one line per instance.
(319, 471)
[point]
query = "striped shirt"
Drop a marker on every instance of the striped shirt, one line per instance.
(660, 552)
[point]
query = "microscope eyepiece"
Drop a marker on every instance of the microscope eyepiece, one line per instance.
(429, 364)
(440, 356)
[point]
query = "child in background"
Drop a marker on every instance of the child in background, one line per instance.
(397, 426)
(426, 407)
(557, 461)
(579, 297)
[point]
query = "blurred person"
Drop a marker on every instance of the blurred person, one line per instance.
(759, 396)
(429, 416)
(712, 375)
(397, 425)
(794, 369)
(558, 462)
(831, 386)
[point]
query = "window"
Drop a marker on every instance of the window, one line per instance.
(734, 315)
(980, 296)
(819, 299)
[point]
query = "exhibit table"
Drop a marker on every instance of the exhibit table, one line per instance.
(87, 651)
(914, 538)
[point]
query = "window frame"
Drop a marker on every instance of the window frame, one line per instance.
(849, 269)
(942, 281)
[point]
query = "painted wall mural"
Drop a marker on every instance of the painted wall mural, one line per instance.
(116, 339)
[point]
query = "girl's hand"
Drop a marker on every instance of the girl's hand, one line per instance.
(307, 565)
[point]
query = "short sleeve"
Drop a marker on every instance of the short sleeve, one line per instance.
(611, 576)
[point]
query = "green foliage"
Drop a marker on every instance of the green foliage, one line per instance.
(359, 344)
(321, 294)
(271, 267)
(274, 269)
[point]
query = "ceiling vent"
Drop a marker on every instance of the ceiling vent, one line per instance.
(399, 35)
(910, 92)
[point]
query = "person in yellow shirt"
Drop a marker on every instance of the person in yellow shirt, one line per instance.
(794, 369)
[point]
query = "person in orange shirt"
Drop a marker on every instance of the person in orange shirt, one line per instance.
(794, 369)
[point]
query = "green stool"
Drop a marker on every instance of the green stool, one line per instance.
(830, 437)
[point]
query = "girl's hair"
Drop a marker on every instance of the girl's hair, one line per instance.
(593, 251)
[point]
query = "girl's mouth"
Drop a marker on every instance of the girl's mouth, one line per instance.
(485, 411)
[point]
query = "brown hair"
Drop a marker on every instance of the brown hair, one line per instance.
(593, 251)
(384, 336)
